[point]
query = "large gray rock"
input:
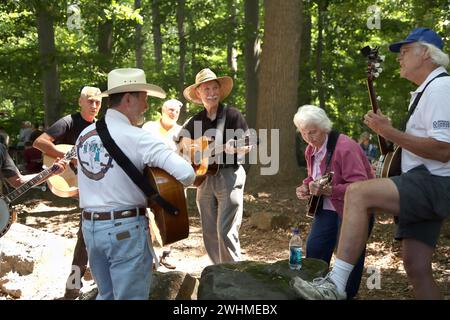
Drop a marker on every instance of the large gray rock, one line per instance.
(172, 285)
(251, 280)
(34, 262)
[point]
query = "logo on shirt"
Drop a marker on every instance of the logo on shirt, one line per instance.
(441, 124)
(94, 160)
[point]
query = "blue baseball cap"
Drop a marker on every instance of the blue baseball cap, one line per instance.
(419, 34)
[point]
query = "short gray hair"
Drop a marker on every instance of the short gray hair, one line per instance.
(90, 91)
(438, 56)
(172, 103)
(309, 114)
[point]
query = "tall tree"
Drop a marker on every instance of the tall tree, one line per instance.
(251, 55)
(231, 48)
(157, 37)
(181, 8)
(277, 91)
(305, 81)
(105, 37)
(48, 62)
(322, 14)
(139, 39)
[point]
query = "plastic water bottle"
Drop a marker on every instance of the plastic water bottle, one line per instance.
(295, 251)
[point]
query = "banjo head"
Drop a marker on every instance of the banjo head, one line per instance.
(6, 218)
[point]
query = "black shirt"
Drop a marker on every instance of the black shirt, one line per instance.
(67, 129)
(234, 122)
(7, 167)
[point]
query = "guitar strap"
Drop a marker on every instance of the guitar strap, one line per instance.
(220, 128)
(417, 99)
(331, 145)
(130, 169)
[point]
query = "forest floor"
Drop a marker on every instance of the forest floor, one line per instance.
(49, 213)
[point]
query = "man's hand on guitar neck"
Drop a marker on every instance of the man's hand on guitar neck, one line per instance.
(230, 147)
(378, 122)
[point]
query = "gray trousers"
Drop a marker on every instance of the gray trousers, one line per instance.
(220, 200)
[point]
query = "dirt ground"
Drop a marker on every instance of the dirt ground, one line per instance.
(43, 210)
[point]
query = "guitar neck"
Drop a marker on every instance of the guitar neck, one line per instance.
(385, 147)
(13, 195)
(221, 148)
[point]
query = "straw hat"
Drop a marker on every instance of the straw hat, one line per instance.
(131, 80)
(205, 75)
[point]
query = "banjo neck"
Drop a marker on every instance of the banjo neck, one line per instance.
(43, 175)
(16, 193)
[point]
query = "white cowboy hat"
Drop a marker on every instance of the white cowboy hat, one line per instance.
(131, 80)
(205, 75)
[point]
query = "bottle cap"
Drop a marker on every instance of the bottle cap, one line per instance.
(295, 230)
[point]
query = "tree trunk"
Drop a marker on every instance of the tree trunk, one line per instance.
(305, 80)
(49, 65)
(157, 38)
(277, 93)
(231, 49)
(182, 62)
(322, 7)
(139, 40)
(251, 55)
(105, 39)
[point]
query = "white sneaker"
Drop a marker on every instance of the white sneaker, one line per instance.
(318, 289)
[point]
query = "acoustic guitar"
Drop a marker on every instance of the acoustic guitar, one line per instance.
(171, 227)
(200, 151)
(313, 203)
(64, 185)
(389, 163)
(6, 215)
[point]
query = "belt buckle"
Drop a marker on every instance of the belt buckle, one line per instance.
(126, 213)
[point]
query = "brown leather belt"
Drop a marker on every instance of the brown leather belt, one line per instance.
(94, 215)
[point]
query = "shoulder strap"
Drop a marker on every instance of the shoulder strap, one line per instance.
(221, 121)
(129, 168)
(331, 145)
(417, 99)
(220, 131)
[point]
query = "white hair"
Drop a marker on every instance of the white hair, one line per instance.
(172, 103)
(309, 114)
(439, 57)
(89, 91)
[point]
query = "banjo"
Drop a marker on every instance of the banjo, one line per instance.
(6, 216)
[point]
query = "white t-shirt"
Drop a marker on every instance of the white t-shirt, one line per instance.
(102, 183)
(430, 119)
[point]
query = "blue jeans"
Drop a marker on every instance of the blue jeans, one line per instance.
(119, 257)
(322, 241)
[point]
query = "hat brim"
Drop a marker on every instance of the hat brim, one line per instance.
(395, 47)
(151, 90)
(226, 85)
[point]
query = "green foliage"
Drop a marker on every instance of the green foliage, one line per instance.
(208, 28)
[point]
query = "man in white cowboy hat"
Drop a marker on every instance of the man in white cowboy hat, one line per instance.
(419, 197)
(115, 227)
(167, 128)
(66, 131)
(219, 197)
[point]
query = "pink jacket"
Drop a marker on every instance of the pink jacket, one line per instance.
(349, 164)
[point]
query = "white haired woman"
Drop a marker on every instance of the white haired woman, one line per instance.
(329, 151)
